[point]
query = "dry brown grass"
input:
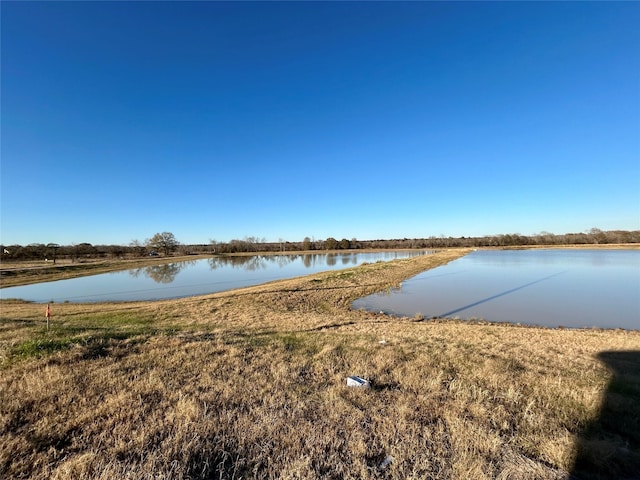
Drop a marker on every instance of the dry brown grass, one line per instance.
(251, 384)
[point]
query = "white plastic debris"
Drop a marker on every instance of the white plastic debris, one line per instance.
(354, 381)
(386, 462)
(382, 342)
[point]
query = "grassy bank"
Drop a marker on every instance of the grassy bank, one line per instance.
(251, 384)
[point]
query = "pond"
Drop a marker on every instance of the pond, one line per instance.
(197, 277)
(555, 287)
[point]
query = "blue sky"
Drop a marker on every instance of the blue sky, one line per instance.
(366, 120)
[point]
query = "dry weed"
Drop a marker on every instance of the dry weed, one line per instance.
(251, 384)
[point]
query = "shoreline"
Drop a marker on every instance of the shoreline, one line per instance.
(26, 273)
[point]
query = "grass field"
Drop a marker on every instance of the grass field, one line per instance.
(252, 384)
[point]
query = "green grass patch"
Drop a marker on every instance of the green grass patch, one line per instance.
(85, 331)
(345, 275)
(39, 347)
(294, 343)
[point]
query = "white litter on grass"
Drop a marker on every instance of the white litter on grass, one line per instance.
(358, 382)
(382, 342)
(386, 462)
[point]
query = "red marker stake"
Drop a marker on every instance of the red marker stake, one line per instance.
(47, 314)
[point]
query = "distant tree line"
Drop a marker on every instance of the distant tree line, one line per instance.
(592, 237)
(161, 243)
(166, 244)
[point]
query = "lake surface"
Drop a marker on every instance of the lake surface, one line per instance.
(197, 277)
(555, 287)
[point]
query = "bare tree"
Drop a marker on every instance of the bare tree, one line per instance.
(137, 248)
(55, 248)
(331, 244)
(164, 241)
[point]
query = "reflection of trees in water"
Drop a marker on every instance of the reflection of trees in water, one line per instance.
(164, 273)
(135, 272)
(345, 258)
(252, 262)
(261, 262)
(310, 259)
(167, 272)
(349, 258)
(307, 260)
(284, 260)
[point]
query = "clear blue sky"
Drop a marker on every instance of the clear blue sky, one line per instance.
(286, 120)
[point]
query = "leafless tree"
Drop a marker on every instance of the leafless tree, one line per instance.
(164, 241)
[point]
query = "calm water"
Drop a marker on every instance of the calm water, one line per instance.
(198, 277)
(571, 288)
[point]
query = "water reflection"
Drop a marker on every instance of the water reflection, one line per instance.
(196, 277)
(164, 273)
(309, 260)
(493, 297)
(570, 288)
(251, 263)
